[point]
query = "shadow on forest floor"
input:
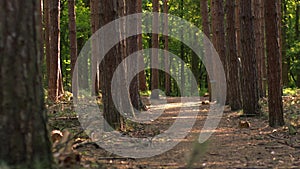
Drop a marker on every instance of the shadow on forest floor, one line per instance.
(233, 145)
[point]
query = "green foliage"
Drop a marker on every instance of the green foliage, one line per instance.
(291, 38)
(290, 91)
(83, 34)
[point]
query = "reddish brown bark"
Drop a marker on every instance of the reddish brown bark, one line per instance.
(274, 63)
(95, 24)
(55, 85)
(141, 62)
(73, 38)
(206, 31)
(155, 45)
(23, 131)
(166, 48)
(248, 60)
(233, 80)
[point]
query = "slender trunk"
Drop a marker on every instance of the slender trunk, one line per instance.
(141, 62)
(259, 50)
(72, 36)
(274, 63)
(206, 30)
(47, 35)
(155, 45)
(235, 101)
(166, 48)
(55, 77)
(248, 60)
(263, 50)
(219, 32)
(285, 59)
(132, 47)
(95, 69)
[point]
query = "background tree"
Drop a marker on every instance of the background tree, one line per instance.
(274, 63)
(259, 44)
(218, 31)
(46, 17)
(111, 61)
(285, 58)
(233, 80)
(95, 14)
(141, 62)
(248, 60)
(206, 31)
(166, 48)
(23, 132)
(55, 84)
(263, 50)
(72, 34)
(155, 45)
(132, 46)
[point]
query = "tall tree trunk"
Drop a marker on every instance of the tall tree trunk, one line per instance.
(132, 46)
(73, 37)
(274, 63)
(218, 32)
(23, 132)
(206, 31)
(182, 52)
(111, 9)
(55, 76)
(259, 49)
(233, 80)
(285, 58)
(248, 60)
(141, 62)
(263, 50)
(166, 48)
(238, 28)
(95, 69)
(47, 35)
(155, 45)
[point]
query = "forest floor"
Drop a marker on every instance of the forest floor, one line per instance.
(238, 142)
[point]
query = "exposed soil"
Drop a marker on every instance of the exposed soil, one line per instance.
(238, 142)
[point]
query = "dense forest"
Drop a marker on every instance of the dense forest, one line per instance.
(109, 83)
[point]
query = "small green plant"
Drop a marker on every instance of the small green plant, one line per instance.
(290, 91)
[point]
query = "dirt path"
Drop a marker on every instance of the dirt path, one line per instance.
(231, 146)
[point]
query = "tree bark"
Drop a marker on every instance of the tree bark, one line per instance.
(132, 46)
(155, 45)
(95, 14)
(23, 132)
(141, 62)
(263, 50)
(55, 77)
(248, 60)
(47, 35)
(285, 58)
(166, 48)
(110, 10)
(274, 63)
(73, 40)
(218, 32)
(233, 80)
(259, 45)
(206, 31)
